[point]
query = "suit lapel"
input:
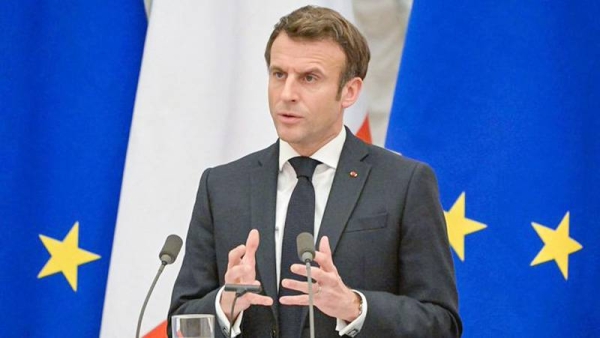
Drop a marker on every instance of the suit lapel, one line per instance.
(262, 199)
(348, 182)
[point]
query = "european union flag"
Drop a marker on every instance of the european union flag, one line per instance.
(502, 98)
(68, 75)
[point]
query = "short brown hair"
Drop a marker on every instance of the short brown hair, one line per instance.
(319, 23)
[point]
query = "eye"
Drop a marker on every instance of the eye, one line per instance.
(278, 75)
(310, 78)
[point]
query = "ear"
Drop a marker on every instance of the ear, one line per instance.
(351, 91)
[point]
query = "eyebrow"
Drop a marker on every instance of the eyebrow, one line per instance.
(313, 70)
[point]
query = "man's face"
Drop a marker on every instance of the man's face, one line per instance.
(303, 87)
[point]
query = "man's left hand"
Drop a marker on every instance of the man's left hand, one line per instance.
(331, 295)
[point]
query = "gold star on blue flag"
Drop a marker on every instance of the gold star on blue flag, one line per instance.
(459, 226)
(558, 246)
(66, 256)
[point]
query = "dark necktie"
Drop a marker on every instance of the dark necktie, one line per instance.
(300, 218)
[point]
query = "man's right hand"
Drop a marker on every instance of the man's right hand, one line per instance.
(241, 269)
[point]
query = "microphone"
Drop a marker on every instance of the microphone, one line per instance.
(306, 252)
(241, 289)
(306, 247)
(168, 255)
(170, 250)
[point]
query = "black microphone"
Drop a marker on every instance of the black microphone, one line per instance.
(306, 252)
(241, 289)
(168, 255)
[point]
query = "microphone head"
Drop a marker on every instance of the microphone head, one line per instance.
(170, 250)
(306, 247)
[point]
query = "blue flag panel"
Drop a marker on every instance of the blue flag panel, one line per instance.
(502, 98)
(68, 76)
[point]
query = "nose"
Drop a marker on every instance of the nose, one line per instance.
(289, 91)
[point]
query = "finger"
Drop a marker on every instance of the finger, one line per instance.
(323, 256)
(251, 246)
(300, 270)
(246, 301)
(320, 278)
(295, 285)
(235, 256)
(301, 300)
(239, 274)
(256, 299)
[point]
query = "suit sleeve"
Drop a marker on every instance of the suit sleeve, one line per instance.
(427, 302)
(197, 284)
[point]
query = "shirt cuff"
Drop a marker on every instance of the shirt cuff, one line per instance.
(353, 328)
(222, 318)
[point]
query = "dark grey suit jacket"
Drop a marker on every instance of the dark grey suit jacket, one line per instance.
(386, 229)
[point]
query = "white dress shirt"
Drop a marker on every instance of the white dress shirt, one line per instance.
(322, 180)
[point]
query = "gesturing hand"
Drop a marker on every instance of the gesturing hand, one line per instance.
(331, 295)
(241, 269)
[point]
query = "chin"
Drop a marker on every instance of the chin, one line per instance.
(287, 138)
(289, 135)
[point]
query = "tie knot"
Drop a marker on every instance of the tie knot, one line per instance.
(304, 166)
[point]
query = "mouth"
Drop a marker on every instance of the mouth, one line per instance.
(288, 117)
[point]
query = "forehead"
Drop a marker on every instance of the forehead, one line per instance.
(326, 53)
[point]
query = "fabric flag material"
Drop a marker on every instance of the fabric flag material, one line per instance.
(68, 75)
(201, 102)
(501, 98)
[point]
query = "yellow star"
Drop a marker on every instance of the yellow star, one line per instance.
(459, 226)
(557, 245)
(66, 256)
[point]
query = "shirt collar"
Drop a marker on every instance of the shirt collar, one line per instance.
(329, 154)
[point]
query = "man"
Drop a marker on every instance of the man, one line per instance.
(383, 262)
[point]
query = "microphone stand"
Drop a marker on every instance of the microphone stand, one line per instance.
(139, 324)
(306, 253)
(240, 290)
(311, 311)
(168, 255)
(238, 294)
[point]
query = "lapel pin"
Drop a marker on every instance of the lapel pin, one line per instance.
(353, 174)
